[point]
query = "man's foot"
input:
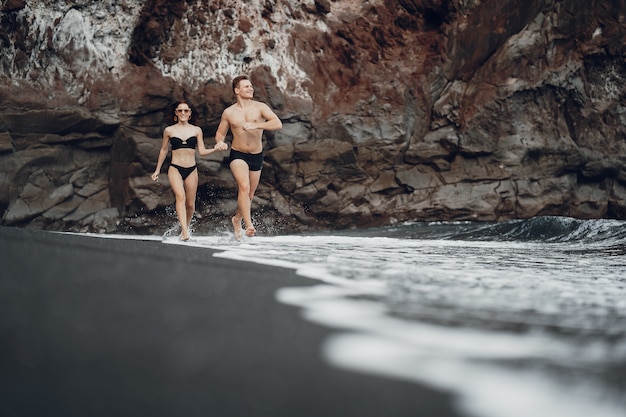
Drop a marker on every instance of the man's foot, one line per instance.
(250, 231)
(237, 227)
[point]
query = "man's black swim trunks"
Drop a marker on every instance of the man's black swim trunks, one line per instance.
(254, 160)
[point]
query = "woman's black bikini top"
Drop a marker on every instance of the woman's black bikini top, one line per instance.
(178, 143)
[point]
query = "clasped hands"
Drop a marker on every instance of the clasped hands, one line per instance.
(221, 146)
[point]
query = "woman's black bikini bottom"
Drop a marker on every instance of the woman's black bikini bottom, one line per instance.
(184, 171)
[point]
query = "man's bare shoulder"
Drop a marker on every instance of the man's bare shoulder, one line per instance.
(260, 104)
(228, 112)
(230, 108)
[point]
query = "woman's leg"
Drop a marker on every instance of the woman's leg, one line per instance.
(178, 187)
(191, 188)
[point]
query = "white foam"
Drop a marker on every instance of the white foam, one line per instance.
(493, 373)
(481, 368)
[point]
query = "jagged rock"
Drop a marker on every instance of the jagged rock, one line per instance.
(13, 5)
(6, 145)
(35, 200)
(441, 143)
(397, 110)
(385, 181)
(290, 133)
(58, 121)
(150, 194)
(103, 221)
(60, 211)
(95, 203)
(416, 179)
(92, 188)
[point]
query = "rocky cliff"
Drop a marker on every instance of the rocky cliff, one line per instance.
(392, 110)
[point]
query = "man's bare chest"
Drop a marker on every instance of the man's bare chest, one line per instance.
(242, 117)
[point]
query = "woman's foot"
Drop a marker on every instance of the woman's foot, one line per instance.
(250, 231)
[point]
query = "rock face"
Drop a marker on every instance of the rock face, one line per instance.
(392, 110)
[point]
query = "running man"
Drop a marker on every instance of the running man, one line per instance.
(247, 119)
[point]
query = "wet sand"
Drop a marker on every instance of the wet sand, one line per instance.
(109, 327)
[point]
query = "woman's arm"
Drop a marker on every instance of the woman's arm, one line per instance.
(203, 151)
(162, 154)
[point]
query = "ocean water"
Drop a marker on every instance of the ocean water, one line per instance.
(517, 319)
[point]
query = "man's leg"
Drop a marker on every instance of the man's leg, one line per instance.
(241, 172)
(254, 178)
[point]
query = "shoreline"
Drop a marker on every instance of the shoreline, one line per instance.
(93, 326)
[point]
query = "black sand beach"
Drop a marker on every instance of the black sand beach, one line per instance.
(108, 327)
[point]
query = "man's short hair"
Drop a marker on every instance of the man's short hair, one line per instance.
(237, 80)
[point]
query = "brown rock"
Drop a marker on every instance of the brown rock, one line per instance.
(6, 143)
(419, 109)
(58, 121)
(59, 211)
(13, 5)
(385, 181)
(95, 203)
(441, 143)
(35, 200)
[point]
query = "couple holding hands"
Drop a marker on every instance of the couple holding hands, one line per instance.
(247, 119)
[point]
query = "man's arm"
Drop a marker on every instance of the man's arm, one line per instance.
(272, 122)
